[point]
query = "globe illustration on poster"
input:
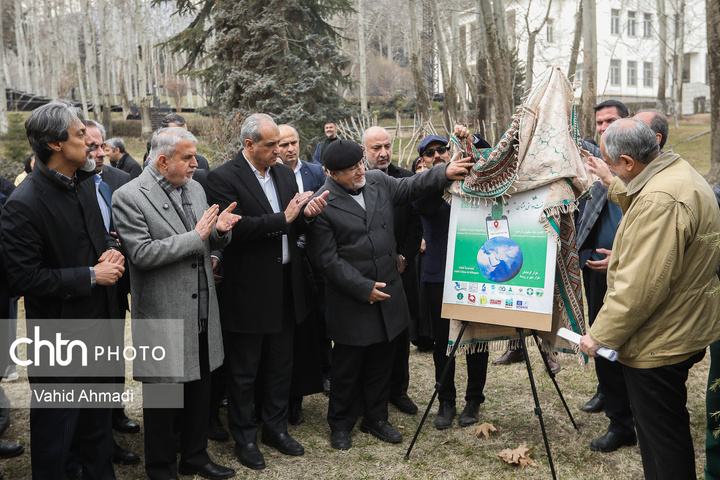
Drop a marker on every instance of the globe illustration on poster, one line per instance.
(499, 259)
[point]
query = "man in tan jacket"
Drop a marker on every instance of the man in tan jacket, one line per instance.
(657, 313)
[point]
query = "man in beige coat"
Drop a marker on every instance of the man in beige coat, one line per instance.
(657, 312)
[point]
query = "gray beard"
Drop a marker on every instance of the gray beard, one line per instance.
(357, 186)
(89, 165)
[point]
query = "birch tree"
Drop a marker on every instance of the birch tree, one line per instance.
(589, 69)
(363, 58)
(421, 90)
(712, 12)
(532, 34)
(497, 57)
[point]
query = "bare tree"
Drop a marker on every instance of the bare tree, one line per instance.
(662, 69)
(500, 73)
(712, 12)
(532, 34)
(3, 100)
(576, 41)
(587, 116)
(444, 60)
(363, 58)
(679, 69)
(421, 90)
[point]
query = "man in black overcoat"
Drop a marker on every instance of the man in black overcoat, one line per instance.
(377, 146)
(352, 242)
(262, 295)
(58, 255)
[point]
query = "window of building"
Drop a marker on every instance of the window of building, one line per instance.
(614, 72)
(579, 74)
(550, 33)
(647, 74)
(615, 21)
(647, 25)
(687, 59)
(632, 72)
(631, 24)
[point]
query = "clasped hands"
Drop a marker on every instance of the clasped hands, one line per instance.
(224, 222)
(313, 207)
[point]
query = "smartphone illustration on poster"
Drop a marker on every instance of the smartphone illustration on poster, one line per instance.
(497, 228)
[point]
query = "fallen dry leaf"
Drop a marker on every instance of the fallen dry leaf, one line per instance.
(485, 429)
(519, 456)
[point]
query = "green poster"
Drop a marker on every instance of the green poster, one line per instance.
(499, 255)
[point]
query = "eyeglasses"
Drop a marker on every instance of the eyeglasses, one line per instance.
(430, 152)
(358, 166)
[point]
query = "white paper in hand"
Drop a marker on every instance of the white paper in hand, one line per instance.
(575, 338)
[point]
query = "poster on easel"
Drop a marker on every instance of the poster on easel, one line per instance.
(500, 267)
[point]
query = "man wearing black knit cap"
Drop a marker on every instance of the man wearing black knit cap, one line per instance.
(352, 243)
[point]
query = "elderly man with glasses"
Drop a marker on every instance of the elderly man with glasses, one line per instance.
(352, 243)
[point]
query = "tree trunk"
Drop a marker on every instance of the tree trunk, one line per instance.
(104, 67)
(481, 81)
(142, 76)
(81, 82)
(421, 91)
(587, 114)
(576, 42)
(363, 58)
(22, 48)
(712, 8)
(500, 74)
(662, 53)
(90, 59)
(530, 61)
(3, 94)
(532, 35)
(456, 66)
(443, 58)
(54, 70)
(680, 53)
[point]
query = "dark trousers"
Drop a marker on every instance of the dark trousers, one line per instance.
(610, 375)
(247, 356)
(659, 403)
(400, 379)
(190, 422)
(712, 406)
(359, 372)
(54, 432)
(476, 362)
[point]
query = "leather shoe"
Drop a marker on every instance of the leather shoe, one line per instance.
(510, 356)
(216, 430)
(382, 430)
(404, 404)
(123, 456)
(283, 443)
(212, 470)
(340, 440)
(595, 404)
(611, 441)
(555, 367)
(469, 414)
(9, 449)
(295, 412)
(446, 413)
(123, 424)
(250, 456)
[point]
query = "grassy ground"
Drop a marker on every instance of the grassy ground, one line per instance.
(455, 453)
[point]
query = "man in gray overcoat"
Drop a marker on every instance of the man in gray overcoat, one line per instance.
(352, 243)
(167, 230)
